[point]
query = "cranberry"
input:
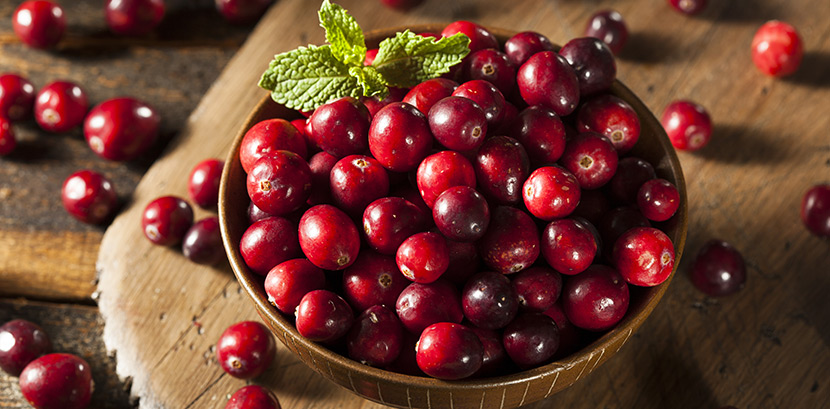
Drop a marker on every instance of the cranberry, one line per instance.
(89, 197)
(134, 17)
(166, 220)
(245, 350)
(423, 257)
(777, 49)
(511, 243)
(593, 63)
(487, 96)
(406, 363)
(21, 342)
(441, 171)
(256, 214)
(718, 269)
(356, 181)
(253, 397)
(17, 97)
(569, 335)
(815, 210)
(402, 5)
(631, 173)
(569, 246)
(489, 300)
(374, 104)
(121, 128)
(523, 45)
(388, 221)
(551, 192)
(612, 117)
(591, 158)
(688, 7)
(538, 288)
(480, 37)
(376, 337)
(540, 131)
(323, 316)
(202, 244)
(328, 237)
(57, 381)
(458, 123)
(449, 351)
(531, 339)
(341, 127)
(279, 182)
(269, 242)
(547, 79)
(320, 166)
(644, 256)
(203, 185)
(424, 95)
(60, 106)
(687, 124)
(399, 137)
(39, 23)
(492, 66)
(501, 167)
(242, 11)
(597, 299)
(619, 220)
(421, 305)
(373, 279)
(464, 262)
(494, 358)
(608, 26)
(406, 191)
(658, 199)
(269, 136)
(593, 205)
(461, 214)
(289, 281)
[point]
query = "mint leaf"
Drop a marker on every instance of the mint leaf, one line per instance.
(308, 77)
(370, 81)
(409, 59)
(343, 33)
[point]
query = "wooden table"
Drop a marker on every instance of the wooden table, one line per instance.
(765, 347)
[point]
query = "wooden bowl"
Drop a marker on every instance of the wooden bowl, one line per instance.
(393, 389)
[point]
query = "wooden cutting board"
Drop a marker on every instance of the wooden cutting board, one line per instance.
(768, 345)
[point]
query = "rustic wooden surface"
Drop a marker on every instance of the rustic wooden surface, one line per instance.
(765, 347)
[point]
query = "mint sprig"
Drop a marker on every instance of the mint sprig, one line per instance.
(308, 77)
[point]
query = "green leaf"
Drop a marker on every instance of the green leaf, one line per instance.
(370, 81)
(409, 59)
(343, 33)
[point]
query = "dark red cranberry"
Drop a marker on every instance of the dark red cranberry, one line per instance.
(57, 381)
(289, 281)
(480, 37)
(511, 243)
(402, 5)
(569, 246)
(658, 199)
(89, 197)
(21, 342)
(591, 158)
(458, 123)
(619, 220)
(593, 205)
(494, 358)
(569, 335)
(441, 171)
(341, 127)
(541, 133)
(39, 23)
(279, 182)
(464, 262)
(461, 214)
(501, 167)
(256, 214)
(548, 80)
(449, 351)
(166, 220)
(551, 192)
(8, 140)
(597, 299)
(356, 181)
(134, 17)
(321, 165)
(17, 97)
(612, 117)
(411, 194)
(376, 337)
(687, 124)
(373, 279)
(406, 363)
(253, 397)
(388, 221)
(608, 26)
(328, 237)
(245, 350)
(121, 128)
(523, 45)
(203, 185)
(631, 174)
(323, 316)
(489, 300)
(421, 305)
(301, 125)
(269, 242)
(718, 269)
(531, 339)
(424, 95)
(202, 244)
(60, 106)
(538, 288)
(242, 11)
(777, 49)
(688, 7)
(815, 210)
(423, 257)
(644, 256)
(374, 104)
(487, 96)
(593, 63)
(269, 136)
(399, 137)
(492, 66)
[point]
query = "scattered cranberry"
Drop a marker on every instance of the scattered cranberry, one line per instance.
(815, 210)
(388, 221)
(632, 172)
(511, 243)
(687, 124)
(608, 26)
(323, 316)
(245, 350)
(39, 23)
(21, 342)
(328, 237)
(60, 106)
(523, 45)
(487, 96)
(718, 269)
(134, 17)
(203, 185)
(289, 281)
(441, 171)
(421, 305)
(166, 220)
(57, 381)
(253, 397)
(373, 279)
(538, 288)
(376, 337)
(688, 7)
(269, 242)
(449, 351)
(501, 167)
(592, 158)
(341, 127)
(489, 300)
(492, 66)
(89, 196)
(461, 214)
(597, 299)
(402, 5)
(569, 246)
(531, 339)
(777, 49)
(551, 192)
(458, 123)
(399, 137)
(613, 117)
(658, 199)
(644, 256)
(242, 11)
(480, 37)
(593, 63)
(202, 244)
(269, 136)
(426, 94)
(121, 128)
(356, 181)
(279, 182)
(17, 97)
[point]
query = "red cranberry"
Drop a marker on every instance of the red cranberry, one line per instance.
(269, 242)
(321, 165)
(8, 141)
(608, 26)
(39, 23)
(242, 11)
(480, 37)
(21, 342)
(501, 168)
(373, 279)
(399, 137)
(328, 237)
(323, 316)
(458, 123)
(406, 363)
(256, 214)
(644, 256)
(121, 128)
(531, 339)
(619, 220)
(289, 281)
(424, 95)
(551, 192)
(687, 124)
(591, 158)
(17, 97)
(89, 197)
(245, 350)
(523, 45)
(269, 136)
(60, 106)
(388, 221)
(57, 381)
(489, 300)
(593, 63)
(538, 288)
(374, 104)
(494, 358)
(597, 299)
(279, 182)
(449, 351)
(511, 243)
(411, 194)
(718, 269)
(547, 79)
(569, 335)
(815, 210)
(166, 220)
(441, 171)
(376, 337)
(612, 117)
(423, 257)
(658, 199)
(464, 262)
(402, 5)
(202, 244)
(492, 66)
(253, 397)
(341, 127)
(487, 96)
(356, 181)
(777, 49)
(540, 131)
(631, 174)
(203, 185)
(421, 305)
(593, 205)
(688, 7)
(569, 246)
(134, 17)
(461, 214)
